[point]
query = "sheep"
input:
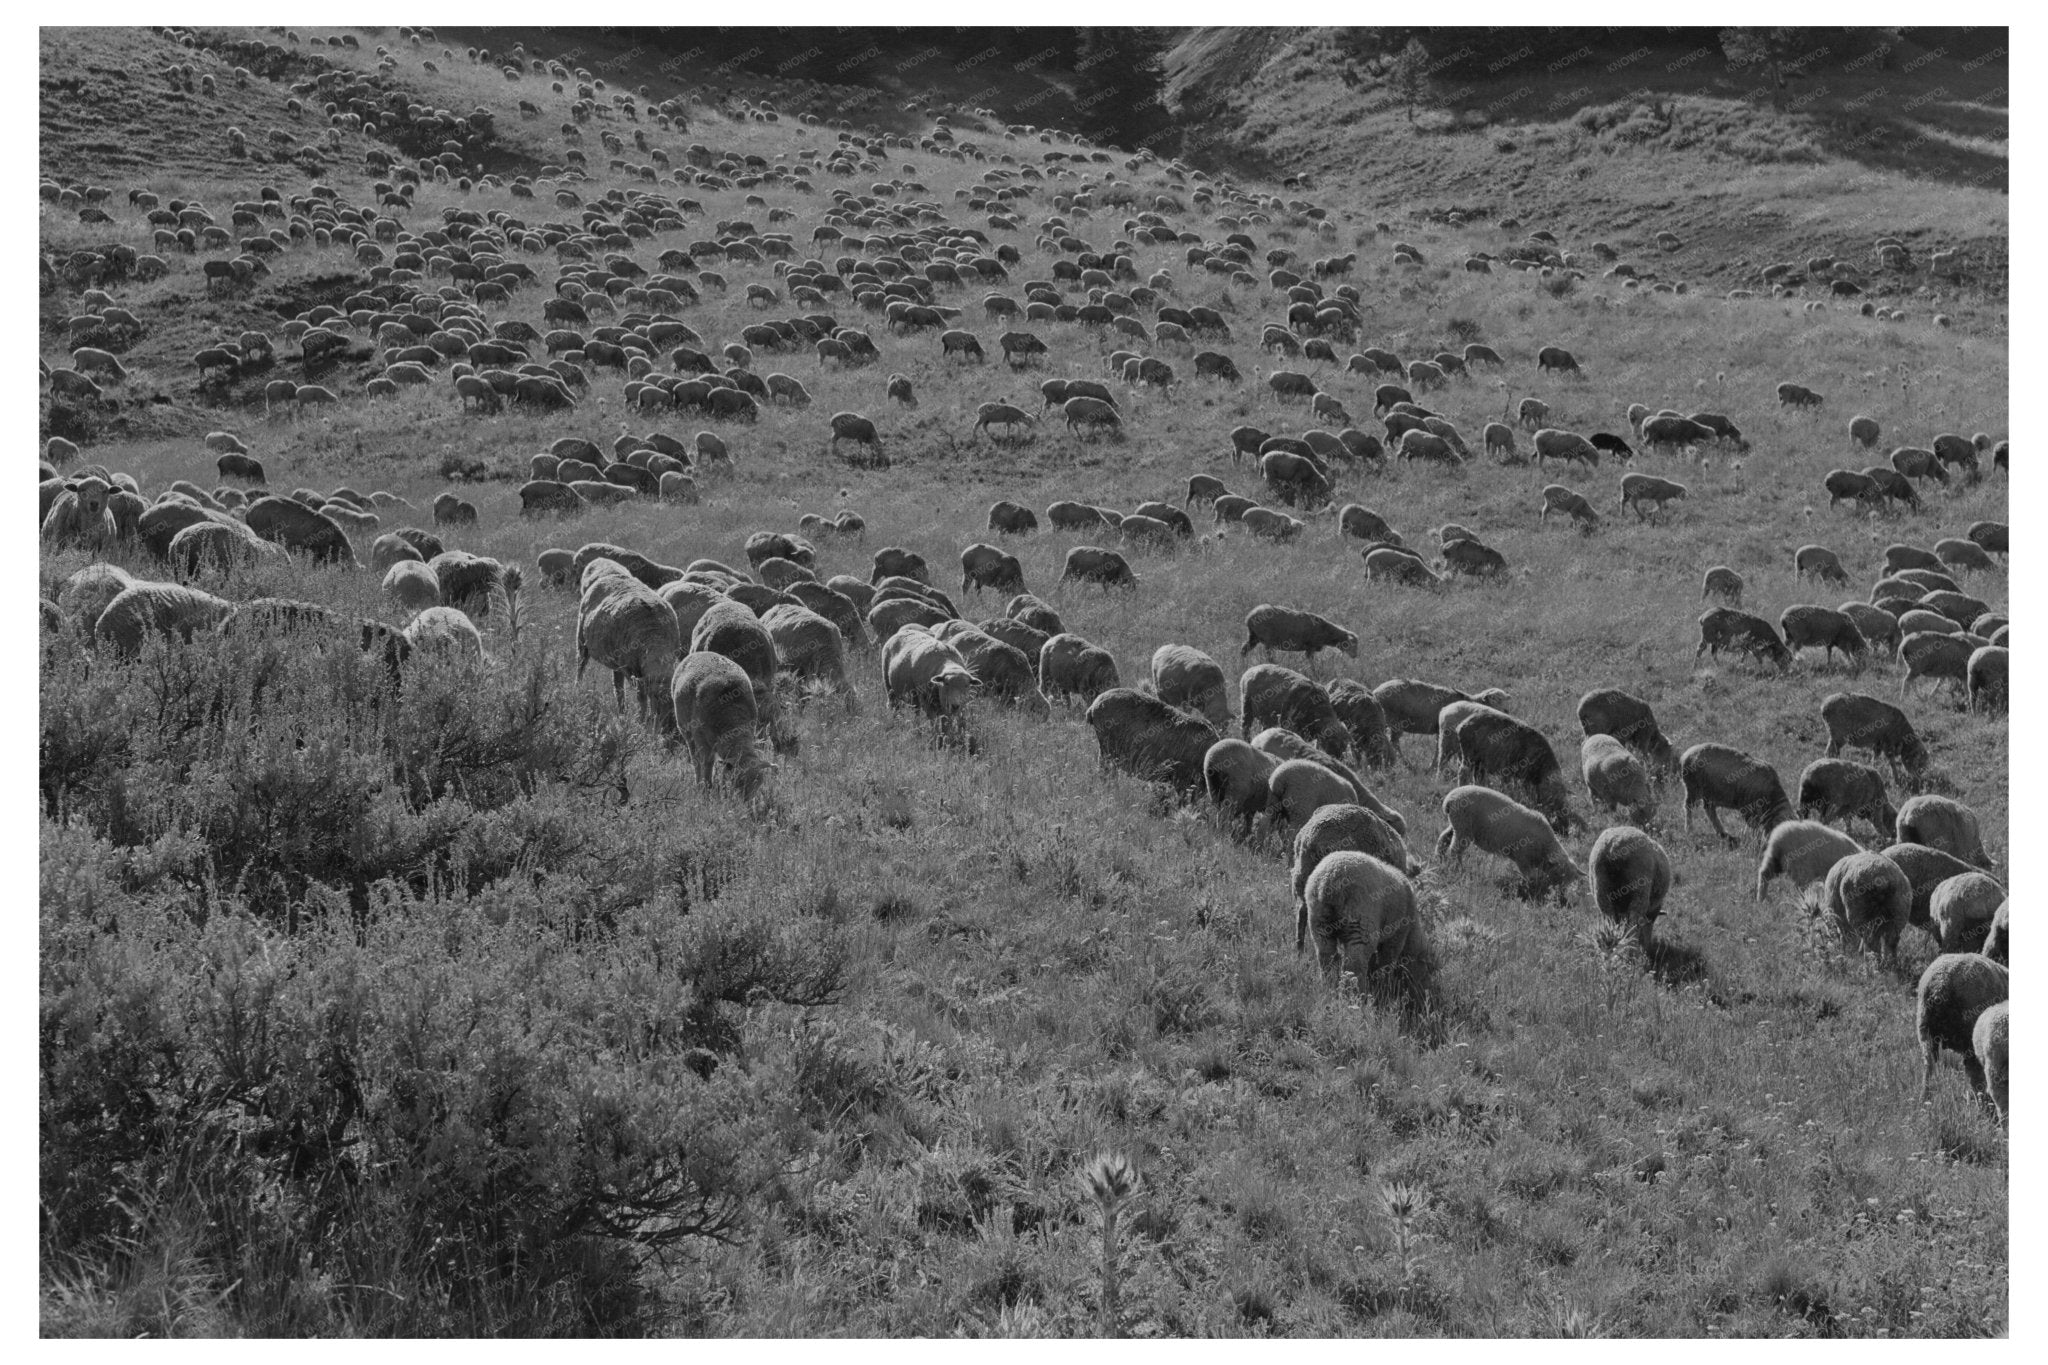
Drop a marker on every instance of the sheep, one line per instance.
(146, 608)
(1069, 665)
(1855, 720)
(1958, 607)
(1270, 695)
(1552, 443)
(633, 632)
(85, 594)
(1496, 747)
(1802, 851)
(1007, 518)
(1231, 507)
(1557, 358)
(1954, 992)
(1532, 413)
(1271, 525)
(851, 426)
(1150, 739)
(1412, 707)
(1002, 668)
(1362, 523)
(1961, 909)
(445, 630)
(1484, 818)
(985, 566)
(1616, 778)
(1673, 432)
(1342, 828)
(1237, 778)
(1940, 656)
(1806, 626)
(1204, 488)
(449, 510)
(807, 645)
(1847, 483)
(1717, 777)
(1835, 788)
(1011, 417)
(1879, 628)
(1558, 498)
(892, 614)
(1926, 869)
(1797, 396)
(1989, 1042)
(1869, 899)
(1185, 677)
(1607, 443)
(1285, 744)
(300, 529)
(1086, 410)
(1299, 787)
(892, 561)
(731, 629)
(1991, 535)
(80, 515)
(1611, 711)
(1963, 555)
(711, 703)
(1986, 675)
(1819, 562)
(1722, 582)
(1269, 627)
(1941, 822)
(1094, 564)
(1914, 462)
(1037, 615)
(410, 585)
(1631, 875)
(1364, 916)
(1726, 628)
(1295, 479)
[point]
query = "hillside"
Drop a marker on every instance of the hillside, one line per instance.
(399, 976)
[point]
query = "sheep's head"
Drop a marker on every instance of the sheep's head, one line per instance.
(952, 688)
(92, 497)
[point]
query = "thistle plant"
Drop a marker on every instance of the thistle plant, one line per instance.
(1112, 1181)
(1404, 1205)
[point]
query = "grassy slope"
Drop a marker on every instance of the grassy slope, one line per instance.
(1919, 150)
(1050, 963)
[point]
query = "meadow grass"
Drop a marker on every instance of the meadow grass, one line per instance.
(548, 1003)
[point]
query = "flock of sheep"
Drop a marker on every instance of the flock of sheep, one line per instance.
(722, 657)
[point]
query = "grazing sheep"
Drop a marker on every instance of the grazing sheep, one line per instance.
(1955, 991)
(1630, 875)
(1551, 443)
(86, 593)
(889, 615)
(1819, 562)
(1807, 626)
(1926, 869)
(1836, 789)
(1628, 718)
(1300, 787)
(445, 630)
(1185, 677)
(1797, 396)
(1484, 818)
(1271, 525)
(80, 515)
(1285, 744)
(632, 631)
(1069, 666)
(920, 668)
(1989, 1043)
(1616, 778)
(1002, 668)
(1986, 678)
(891, 561)
(1894, 486)
(409, 585)
(1958, 607)
(1726, 628)
(851, 426)
(1365, 921)
(1963, 555)
(1724, 583)
(989, 414)
(1087, 411)
(1532, 413)
(1362, 523)
(1557, 358)
(1961, 909)
(1870, 900)
(985, 566)
(1498, 748)
(1717, 777)
(1237, 778)
(1941, 822)
(1879, 628)
(1270, 695)
(1151, 740)
(1674, 433)
(1412, 707)
(1342, 828)
(1802, 851)
(1855, 720)
(1940, 656)
(1094, 564)
(144, 608)
(732, 629)
(1036, 614)
(1859, 488)
(711, 701)
(1558, 498)
(1992, 535)
(1915, 462)
(1360, 713)
(1269, 627)
(1637, 489)
(1007, 518)
(300, 529)
(807, 645)
(1294, 479)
